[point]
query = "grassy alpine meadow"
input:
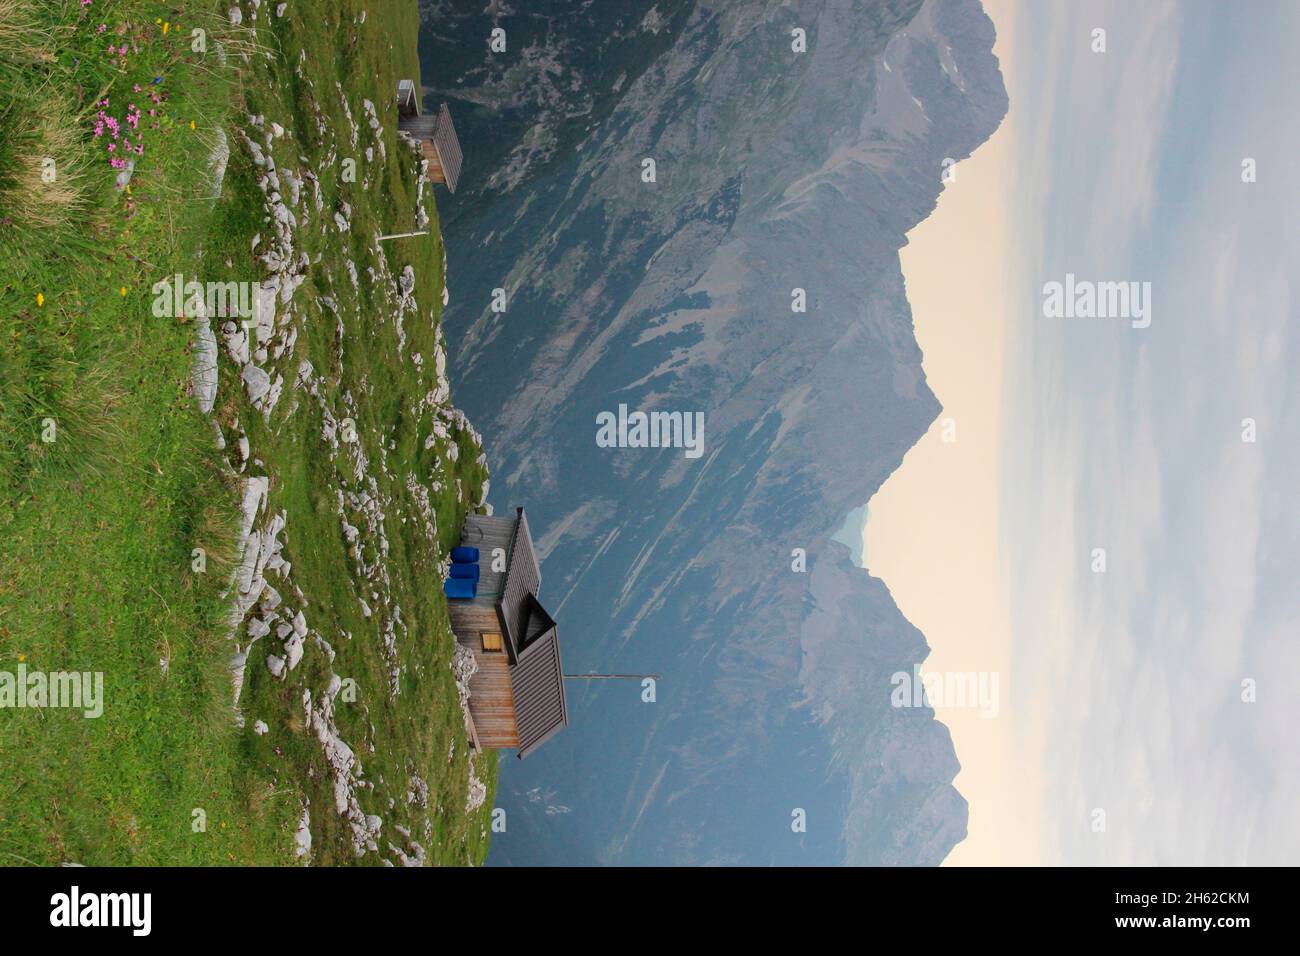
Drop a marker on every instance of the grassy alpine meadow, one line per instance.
(230, 467)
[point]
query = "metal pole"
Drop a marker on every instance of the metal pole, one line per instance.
(404, 235)
(609, 676)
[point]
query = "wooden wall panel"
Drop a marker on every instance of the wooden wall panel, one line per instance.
(492, 703)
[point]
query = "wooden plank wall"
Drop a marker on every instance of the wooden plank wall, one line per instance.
(491, 696)
(436, 174)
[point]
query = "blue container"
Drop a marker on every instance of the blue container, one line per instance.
(460, 588)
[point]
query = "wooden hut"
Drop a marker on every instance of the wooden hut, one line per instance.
(517, 694)
(434, 132)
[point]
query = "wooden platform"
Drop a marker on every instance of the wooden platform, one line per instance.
(487, 534)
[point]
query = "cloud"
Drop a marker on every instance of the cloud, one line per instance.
(1131, 440)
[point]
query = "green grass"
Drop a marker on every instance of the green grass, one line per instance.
(97, 527)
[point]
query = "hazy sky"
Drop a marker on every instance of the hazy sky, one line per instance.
(1120, 691)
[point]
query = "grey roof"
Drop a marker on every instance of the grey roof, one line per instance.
(448, 146)
(533, 646)
(523, 579)
(537, 682)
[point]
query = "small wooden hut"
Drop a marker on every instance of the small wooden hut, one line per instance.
(517, 695)
(434, 132)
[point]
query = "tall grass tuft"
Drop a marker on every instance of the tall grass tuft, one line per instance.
(21, 35)
(65, 420)
(44, 188)
(216, 522)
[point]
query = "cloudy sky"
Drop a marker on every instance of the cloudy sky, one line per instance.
(1121, 690)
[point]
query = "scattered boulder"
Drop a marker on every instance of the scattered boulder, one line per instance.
(205, 365)
(302, 837)
(276, 666)
(256, 381)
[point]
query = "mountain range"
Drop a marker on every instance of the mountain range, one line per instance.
(775, 170)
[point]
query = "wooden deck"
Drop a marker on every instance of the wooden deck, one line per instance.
(487, 534)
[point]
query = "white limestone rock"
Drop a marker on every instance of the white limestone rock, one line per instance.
(293, 649)
(217, 162)
(205, 365)
(302, 837)
(276, 666)
(256, 381)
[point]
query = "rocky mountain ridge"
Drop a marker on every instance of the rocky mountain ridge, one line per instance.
(775, 171)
